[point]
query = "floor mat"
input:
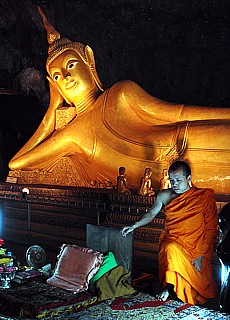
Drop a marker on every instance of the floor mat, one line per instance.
(36, 298)
(141, 307)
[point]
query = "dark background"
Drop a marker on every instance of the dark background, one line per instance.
(176, 50)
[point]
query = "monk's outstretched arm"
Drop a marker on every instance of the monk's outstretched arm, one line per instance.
(148, 216)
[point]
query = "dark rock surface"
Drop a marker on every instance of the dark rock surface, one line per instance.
(176, 50)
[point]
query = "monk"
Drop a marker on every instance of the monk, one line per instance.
(99, 130)
(187, 242)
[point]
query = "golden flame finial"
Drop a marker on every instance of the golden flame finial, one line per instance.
(58, 45)
(52, 34)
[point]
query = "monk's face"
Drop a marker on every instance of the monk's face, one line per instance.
(179, 182)
(71, 76)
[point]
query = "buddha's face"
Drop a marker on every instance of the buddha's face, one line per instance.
(122, 170)
(148, 173)
(71, 75)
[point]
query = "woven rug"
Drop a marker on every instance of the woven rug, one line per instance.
(144, 307)
(38, 299)
(141, 307)
(41, 301)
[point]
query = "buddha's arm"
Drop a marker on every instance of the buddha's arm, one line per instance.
(157, 111)
(147, 107)
(46, 154)
(45, 128)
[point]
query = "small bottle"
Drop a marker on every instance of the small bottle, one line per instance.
(11, 263)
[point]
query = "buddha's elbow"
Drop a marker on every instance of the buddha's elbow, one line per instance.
(14, 164)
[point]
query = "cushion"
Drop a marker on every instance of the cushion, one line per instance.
(75, 267)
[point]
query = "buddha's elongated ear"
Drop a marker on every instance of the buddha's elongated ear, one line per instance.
(91, 62)
(89, 54)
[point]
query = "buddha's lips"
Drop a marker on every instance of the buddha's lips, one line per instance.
(71, 84)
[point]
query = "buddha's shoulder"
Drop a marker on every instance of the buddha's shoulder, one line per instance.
(125, 86)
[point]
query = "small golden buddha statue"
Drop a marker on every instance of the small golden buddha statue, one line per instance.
(146, 188)
(165, 182)
(97, 131)
(122, 182)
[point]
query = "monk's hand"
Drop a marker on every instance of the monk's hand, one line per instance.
(127, 229)
(198, 263)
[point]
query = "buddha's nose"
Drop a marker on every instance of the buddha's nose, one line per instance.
(66, 74)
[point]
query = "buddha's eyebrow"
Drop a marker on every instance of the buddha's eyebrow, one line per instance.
(54, 67)
(71, 60)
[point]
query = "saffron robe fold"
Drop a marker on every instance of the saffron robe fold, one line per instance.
(190, 232)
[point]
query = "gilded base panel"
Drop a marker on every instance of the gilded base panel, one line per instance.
(68, 171)
(63, 174)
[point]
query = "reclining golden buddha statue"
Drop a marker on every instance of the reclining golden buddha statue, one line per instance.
(88, 133)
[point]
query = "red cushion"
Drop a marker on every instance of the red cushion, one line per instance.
(75, 267)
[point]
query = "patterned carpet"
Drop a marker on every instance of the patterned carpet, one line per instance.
(141, 307)
(48, 303)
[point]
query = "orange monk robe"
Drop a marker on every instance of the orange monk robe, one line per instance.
(190, 232)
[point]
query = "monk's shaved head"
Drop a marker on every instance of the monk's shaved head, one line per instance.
(177, 165)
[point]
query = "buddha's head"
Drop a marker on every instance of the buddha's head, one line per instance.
(148, 172)
(122, 171)
(70, 65)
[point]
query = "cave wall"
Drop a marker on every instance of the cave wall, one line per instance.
(176, 50)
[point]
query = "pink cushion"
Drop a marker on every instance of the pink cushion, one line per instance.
(75, 267)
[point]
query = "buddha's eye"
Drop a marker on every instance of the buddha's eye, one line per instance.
(56, 77)
(72, 65)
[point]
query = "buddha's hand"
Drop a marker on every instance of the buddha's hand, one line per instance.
(198, 263)
(56, 99)
(127, 229)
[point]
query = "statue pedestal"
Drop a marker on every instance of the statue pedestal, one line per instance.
(64, 173)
